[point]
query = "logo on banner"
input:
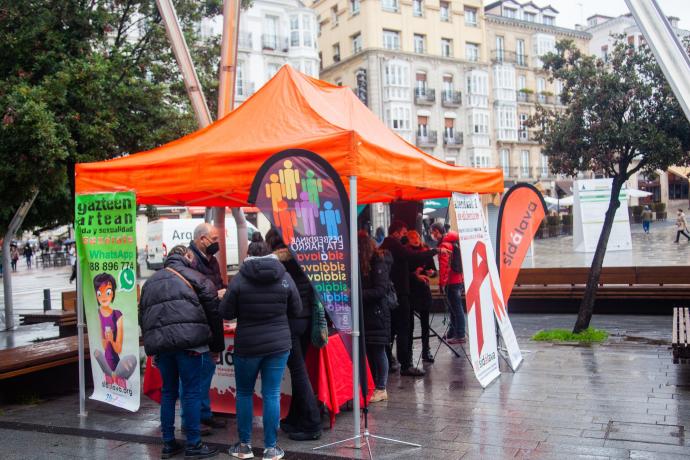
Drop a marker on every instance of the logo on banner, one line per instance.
(304, 199)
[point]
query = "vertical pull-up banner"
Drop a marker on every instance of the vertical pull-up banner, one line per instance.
(481, 296)
(106, 242)
(483, 287)
(522, 211)
(305, 200)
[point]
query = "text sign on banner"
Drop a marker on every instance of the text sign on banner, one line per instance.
(304, 199)
(106, 243)
(480, 290)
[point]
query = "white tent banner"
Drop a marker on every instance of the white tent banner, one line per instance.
(477, 262)
(590, 201)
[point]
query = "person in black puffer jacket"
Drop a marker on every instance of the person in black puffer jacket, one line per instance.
(174, 323)
(261, 296)
(303, 422)
(375, 266)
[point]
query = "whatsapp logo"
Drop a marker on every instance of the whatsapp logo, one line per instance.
(127, 279)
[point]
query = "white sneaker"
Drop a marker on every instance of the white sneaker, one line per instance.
(273, 453)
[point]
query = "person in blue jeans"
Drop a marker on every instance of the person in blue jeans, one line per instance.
(173, 317)
(450, 280)
(261, 296)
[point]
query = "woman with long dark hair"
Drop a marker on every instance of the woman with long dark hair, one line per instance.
(374, 266)
(420, 293)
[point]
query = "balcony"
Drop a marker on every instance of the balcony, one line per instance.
(424, 96)
(245, 41)
(244, 88)
(451, 98)
(499, 56)
(525, 97)
(274, 43)
(454, 141)
(429, 139)
(527, 172)
(545, 98)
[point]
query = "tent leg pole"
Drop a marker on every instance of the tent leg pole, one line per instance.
(354, 276)
(80, 339)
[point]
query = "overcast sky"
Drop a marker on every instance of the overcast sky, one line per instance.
(571, 12)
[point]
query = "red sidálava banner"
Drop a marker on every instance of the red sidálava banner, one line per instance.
(522, 210)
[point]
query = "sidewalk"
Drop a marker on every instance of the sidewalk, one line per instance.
(621, 400)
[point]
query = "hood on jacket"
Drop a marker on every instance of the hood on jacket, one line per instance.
(176, 260)
(264, 269)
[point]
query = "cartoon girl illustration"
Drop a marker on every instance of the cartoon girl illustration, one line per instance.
(117, 370)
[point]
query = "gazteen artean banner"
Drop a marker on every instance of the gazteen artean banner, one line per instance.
(482, 288)
(106, 244)
(303, 198)
(522, 211)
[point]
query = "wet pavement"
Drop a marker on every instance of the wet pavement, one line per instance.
(620, 400)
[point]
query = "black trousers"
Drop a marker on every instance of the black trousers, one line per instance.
(402, 327)
(304, 410)
(424, 321)
(681, 232)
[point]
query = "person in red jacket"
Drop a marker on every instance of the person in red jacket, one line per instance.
(450, 282)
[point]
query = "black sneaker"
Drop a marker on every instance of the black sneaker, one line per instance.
(171, 448)
(200, 451)
(305, 435)
(288, 427)
(413, 372)
(215, 422)
(427, 357)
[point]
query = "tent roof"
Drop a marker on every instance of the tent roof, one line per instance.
(215, 166)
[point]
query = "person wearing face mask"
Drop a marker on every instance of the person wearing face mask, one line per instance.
(203, 247)
(420, 293)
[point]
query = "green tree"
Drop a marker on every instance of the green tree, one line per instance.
(620, 117)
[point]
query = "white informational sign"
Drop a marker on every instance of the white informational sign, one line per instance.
(590, 202)
(477, 258)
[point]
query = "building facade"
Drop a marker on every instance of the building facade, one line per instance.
(272, 33)
(457, 79)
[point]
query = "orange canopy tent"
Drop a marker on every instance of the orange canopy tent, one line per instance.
(215, 166)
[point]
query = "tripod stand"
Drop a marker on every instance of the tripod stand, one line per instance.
(433, 333)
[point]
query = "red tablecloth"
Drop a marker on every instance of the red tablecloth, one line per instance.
(330, 372)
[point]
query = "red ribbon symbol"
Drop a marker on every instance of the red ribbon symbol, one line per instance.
(480, 270)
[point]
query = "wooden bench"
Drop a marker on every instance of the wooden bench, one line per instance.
(39, 356)
(680, 341)
(666, 283)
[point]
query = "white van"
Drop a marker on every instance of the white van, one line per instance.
(164, 234)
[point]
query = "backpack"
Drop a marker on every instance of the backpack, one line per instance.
(455, 259)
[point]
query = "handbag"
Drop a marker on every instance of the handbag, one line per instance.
(319, 326)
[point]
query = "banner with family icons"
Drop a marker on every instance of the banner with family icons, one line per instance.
(106, 244)
(305, 200)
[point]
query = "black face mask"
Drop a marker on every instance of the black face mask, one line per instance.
(404, 240)
(212, 248)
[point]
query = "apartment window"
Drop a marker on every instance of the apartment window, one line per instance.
(320, 60)
(397, 81)
(557, 88)
(271, 70)
(471, 17)
(479, 121)
(509, 13)
(354, 6)
(421, 84)
(334, 15)
(544, 165)
(271, 32)
(521, 58)
(445, 11)
(530, 17)
(447, 87)
(541, 87)
(605, 53)
(294, 30)
(549, 20)
(422, 126)
(398, 118)
(356, 43)
(449, 129)
(522, 82)
(505, 162)
(389, 5)
(338, 82)
(308, 31)
(500, 46)
(506, 120)
(472, 51)
(417, 8)
(524, 163)
(446, 47)
(419, 43)
(240, 79)
(524, 133)
(391, 39)
(336, 52)
(480, 159)
(631, 40)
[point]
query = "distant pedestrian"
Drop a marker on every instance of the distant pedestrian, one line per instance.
(14, 256)
(28, 254)
(681, 225)
(261, 296)
(646, 218)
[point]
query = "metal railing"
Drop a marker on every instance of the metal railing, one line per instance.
(245, 40)
(451, 98)
(274, 43)
(424, 96)
(525, 97)
(428, 139)
(456, 140)
(245, 88)
(499, 56)
(527, 172)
